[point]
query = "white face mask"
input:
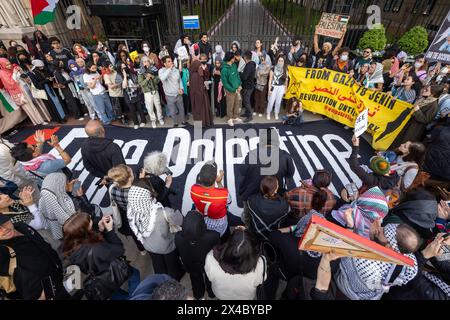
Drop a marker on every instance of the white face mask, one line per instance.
(417, 65)
(74, 69)
(344, 57)
(146, 49)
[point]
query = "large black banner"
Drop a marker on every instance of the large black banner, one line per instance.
(314, 145)
(439, 49)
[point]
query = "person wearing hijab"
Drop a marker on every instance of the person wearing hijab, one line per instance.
(35, 107)
(56, 205)
(218, 54)
(43, 80)
(374, 77)
(361, 213)
(194, 242)
(154, 226)
(201, 108)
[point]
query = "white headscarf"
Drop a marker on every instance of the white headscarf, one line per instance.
(141, 211)
(55, 205)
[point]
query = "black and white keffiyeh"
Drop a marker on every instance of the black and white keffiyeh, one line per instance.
(55, 204)
(362, 279)
(438, 282)
(141, 211)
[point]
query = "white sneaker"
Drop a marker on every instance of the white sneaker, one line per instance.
(142, 125)
(260, 115)
(80, 119)
(268, 116)
(237, 120)
(85, 114)
(153, 124)
(276, 116)
(254, 114)
(161, 122)
(44, 123)
(136, 127)
(230, 123)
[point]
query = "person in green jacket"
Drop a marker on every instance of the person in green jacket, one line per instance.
(232, 84)
(148, 80)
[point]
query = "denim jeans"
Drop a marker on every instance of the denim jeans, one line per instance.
(133, 282)
(104, 108)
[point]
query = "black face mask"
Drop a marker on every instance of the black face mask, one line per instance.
(204, 62)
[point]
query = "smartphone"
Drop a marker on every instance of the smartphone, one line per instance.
(168, 172)
(352, 189)
(76, 187)
(49, 288)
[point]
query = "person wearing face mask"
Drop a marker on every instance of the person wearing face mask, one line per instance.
(148, 53)
(424, 111)
(133, 95)
(198, 74)
(324, 56)
(420, 68)
(343, 64)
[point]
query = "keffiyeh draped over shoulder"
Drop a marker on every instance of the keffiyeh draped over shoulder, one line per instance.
(141, 212)
(362, 279)
(55, 204)
(366, 209)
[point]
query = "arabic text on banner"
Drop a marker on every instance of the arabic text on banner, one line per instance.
(337, 96)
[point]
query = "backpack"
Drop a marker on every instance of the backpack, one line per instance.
(7, 282)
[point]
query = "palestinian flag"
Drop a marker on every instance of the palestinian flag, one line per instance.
(43, 11)
(7, 102)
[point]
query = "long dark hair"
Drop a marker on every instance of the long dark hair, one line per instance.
(77, 233)
(145, 184)
(239, 253)
(268, 187)
(416, 153)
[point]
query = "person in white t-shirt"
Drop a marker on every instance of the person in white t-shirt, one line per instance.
(103, 105)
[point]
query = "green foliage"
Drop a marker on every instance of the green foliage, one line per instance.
(415, 41)
(374, 38)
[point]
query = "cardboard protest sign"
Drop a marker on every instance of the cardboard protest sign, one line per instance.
(439, 49)
(338, 96)
(332, 25)
(361, 123)
(324, 236)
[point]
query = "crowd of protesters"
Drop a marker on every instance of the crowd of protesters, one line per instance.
(402, 203)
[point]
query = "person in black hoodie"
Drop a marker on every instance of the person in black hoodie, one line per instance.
(248, 85)
(98, 153)
(418, 209)
(37, 262)
(83, 246)
(194, 242)
(254, 167)
(437, 158)
(380, 176)
(266, 209)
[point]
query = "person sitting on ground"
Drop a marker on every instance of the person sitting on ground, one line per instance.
(211, 201)
(38, 165)
(300, 198)
(99, 153)
(418, 209)
(123, 178)
(193, 243)
(93, 251)
(362, 279)
(155, 165)
(292, 261)
(266, 209)
(236, 268)
(154, 225)
(408, 161)
(425, 109)
(294, 114)
(362, 212)
(23, 210)
(36, 262)
(380, 167)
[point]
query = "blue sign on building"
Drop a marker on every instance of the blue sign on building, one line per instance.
(191, 22)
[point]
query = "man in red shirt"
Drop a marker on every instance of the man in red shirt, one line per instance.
(209, 200)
